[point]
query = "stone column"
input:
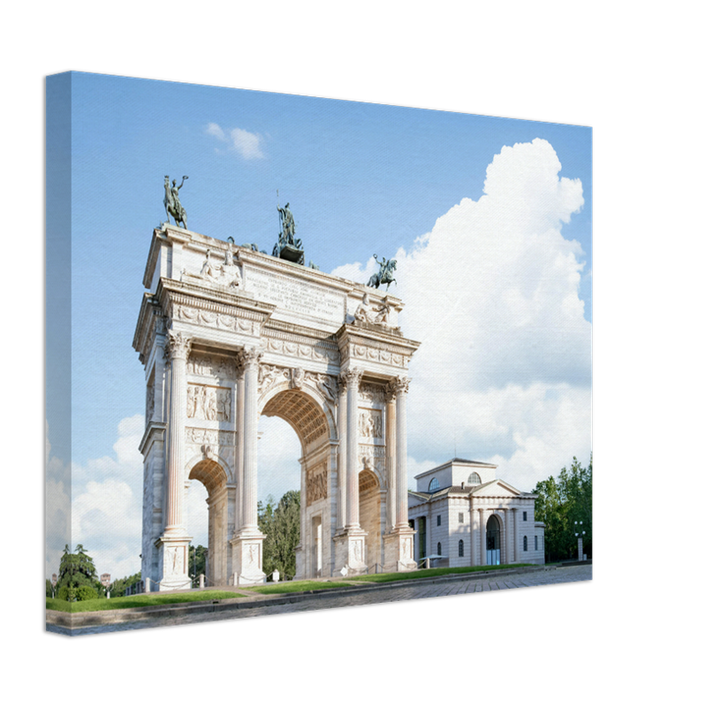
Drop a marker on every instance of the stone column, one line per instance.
(401, 390)
(247, 540)
(239, 446)
(342, 451)
(174, 542)
(176, 350)
(391, 453)
(250, 361)
(399, 542)
(516, 536)
(353, 488)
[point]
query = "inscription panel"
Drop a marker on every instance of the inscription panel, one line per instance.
(296, 296)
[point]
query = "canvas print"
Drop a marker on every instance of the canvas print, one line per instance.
(306, 353)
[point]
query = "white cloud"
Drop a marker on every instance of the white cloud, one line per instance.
(503, 372)
(245, 143)
(106, 512)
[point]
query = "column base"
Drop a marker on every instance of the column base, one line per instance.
(247, 558)
(350, 552)
(173, 562)
(399, 550)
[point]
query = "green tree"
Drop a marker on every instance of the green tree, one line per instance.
(118, 586)
(281, 526)
(560, 505)
(197, 557)
(77, 571)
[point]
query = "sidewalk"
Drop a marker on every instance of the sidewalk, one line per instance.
(68, 623)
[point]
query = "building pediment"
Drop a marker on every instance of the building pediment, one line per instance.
(496, 488)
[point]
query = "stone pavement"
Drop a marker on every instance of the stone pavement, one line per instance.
(127, 619)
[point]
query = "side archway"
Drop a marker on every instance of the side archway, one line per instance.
(213, 474)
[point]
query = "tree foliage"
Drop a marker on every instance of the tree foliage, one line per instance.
(560, 505)
(118, 586)
(77, 571)
(281, 526)
(197, 557)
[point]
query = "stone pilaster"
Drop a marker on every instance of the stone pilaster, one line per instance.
(473, 535)
(401, 390)
(482, 540)
(516, 537)
(342, 452)
(391, 453)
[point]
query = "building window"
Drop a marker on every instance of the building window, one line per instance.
(524, 543)
(524, 515)
(439, 549)
(461, 549)
(434, 484)
(473, 479)
(461, 518)
(439, 522)
(536, 547)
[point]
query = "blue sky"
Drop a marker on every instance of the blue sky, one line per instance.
(361, 179)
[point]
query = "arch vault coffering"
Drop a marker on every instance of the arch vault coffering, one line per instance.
(302, 413)
(277, 339)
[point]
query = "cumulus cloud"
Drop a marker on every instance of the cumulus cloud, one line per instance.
(243, 142)
(503, 372)
(106, 498)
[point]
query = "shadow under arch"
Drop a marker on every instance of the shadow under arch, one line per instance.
(371, 507)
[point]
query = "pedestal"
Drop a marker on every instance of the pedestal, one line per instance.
(247, 558)
(174, 561)
(399, 551)
(350, 551)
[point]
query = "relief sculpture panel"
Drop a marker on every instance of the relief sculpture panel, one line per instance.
(316, 484)
(209, 402)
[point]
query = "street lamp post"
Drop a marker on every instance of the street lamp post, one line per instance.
(579, 533)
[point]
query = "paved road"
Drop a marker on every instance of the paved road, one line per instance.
(378, 594)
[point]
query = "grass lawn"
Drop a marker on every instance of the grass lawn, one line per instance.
(153, 599)
(307, 586)
(436, 572)
(160, 598)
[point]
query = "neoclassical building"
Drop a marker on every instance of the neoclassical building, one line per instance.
(466, 517)
(226, 334)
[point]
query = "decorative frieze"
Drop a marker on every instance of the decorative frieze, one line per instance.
(301, 349)
(211, 366)
(215, 319)
(373, 394)
(316, 484)
(271, 375)
(379, 355)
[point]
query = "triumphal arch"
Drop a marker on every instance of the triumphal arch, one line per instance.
(227, 333)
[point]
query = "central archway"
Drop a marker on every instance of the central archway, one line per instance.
(310, 416)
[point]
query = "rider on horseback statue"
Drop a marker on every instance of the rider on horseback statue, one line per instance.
(172, 204)
(387, 268)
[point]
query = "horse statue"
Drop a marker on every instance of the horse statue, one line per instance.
(172, 204)
(387, 268)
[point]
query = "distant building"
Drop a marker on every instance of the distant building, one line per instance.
(463, 516)
(105, 579)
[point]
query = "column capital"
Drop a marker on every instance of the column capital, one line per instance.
(177, 345)
(399, 385)
(248, 356)
(351, 377)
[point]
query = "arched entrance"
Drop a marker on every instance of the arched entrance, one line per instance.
(493, 540)
(214, 478)
(310, 416)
